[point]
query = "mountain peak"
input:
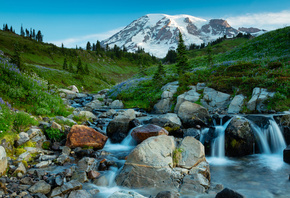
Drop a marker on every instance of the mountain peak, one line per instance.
(158, 33)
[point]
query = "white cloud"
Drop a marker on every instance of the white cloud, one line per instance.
(268, 21)
(82, 40)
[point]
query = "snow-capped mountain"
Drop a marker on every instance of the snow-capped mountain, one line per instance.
(157, 33)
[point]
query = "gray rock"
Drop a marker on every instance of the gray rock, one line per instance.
(95, 104)
(66, 150)
(167, 194)
(23, 138)
(116, 104)
(126, 194)
(200, 86)
(55, 125)
(36, 135)
(87, 114)
(80, 176)
(40, 187)
(79, 193)
(3, 160)
(236, 104)
(26, 156)
(87, 164)
(259, 96)
(47, 157)
(162, 106)
(68, 93)
(191, 96)
(213, 99)
(20, 169)
(63, 158)
(192, 114)
(43, 164)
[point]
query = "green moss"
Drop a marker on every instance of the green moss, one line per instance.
(19, 151)
(177, 156)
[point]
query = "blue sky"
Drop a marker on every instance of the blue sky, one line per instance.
(74, 22)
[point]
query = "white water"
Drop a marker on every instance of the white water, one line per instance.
(127, 144)
(277, 141)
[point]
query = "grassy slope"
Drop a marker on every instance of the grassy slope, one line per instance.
(246, 64)
(103, 70)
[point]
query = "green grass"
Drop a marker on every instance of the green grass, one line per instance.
(105, 69)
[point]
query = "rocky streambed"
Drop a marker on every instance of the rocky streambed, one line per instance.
(129, 153)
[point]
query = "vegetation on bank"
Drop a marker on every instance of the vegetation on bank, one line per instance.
(263, 62)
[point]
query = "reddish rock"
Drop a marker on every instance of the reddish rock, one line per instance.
(83, 136)
(93, 174)
(142, 133)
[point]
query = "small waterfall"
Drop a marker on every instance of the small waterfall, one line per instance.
(218, 144)
(270, 140)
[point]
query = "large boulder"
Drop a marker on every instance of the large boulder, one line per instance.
(40, 187)
(236, 104)
(95, 104)
(3, 161)
(170, 122)
(192, 114)
(284, 123)
(259, 96)
(239, 137)
(83, 136)
(159, 164)
(125, 194)
(213, 99)
(286, 154)
(117, 104)
(119, 127)
(225, 193)
(142, 133)
(191, 96)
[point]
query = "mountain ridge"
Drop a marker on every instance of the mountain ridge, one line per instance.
(158, 33)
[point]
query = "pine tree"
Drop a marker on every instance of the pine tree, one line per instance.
(65, 64)
(159, 74)
(22, 33)
(70, 68)
(33, 34)
(209, 54)
(80, 69)
(27, 32)
(39, 36)
(87, 71)
(16, 59)
(89, 47)
(182, 63)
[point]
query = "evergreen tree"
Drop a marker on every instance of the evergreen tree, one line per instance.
(182, 63)
(87, 69)
(6, 27)
(159, 74)
(171, 56)
(39, 36)
(22, 33)
(16, 59)
(88, 46)
(80, 69)
(70, 68)
(27, 32)
(209, 54)
(65, 64)
(94, 47)
(33, 34)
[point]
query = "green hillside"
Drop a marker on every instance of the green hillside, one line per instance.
(46, 60)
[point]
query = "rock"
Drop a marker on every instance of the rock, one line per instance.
(102, 181)
(81, 136)
(79, 193)
(239, 137)
(95, 104)
(66, 150)
(3, 161)
(191, 132)
(63, 158)
(43, 164)
(170, 122)
(87, 114)
(36, 135)
(259, 96)
(191, 96)
(47, 157)
(117, 104)
(200, 86)
(192, 114)
(213, 99)
(140, 134)
(126, 194)
(286, 154)
(55, 125)
(26, 156)
(20, 169)
(68, 94)
(226, 193)
(167, 194)
(23, 138)
(40, 187)
(163, 106)
(93, 174)
(80, 176)
(284, 123)
(152, 164)
(236, 104)
(119, 127)
(88, 164)
(66, 188)
(192, 152)
(74, 88)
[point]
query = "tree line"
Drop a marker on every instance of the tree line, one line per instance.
(25, 33)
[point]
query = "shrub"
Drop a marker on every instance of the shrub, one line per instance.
(275, 65)
(22, 121)
(54, 134)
